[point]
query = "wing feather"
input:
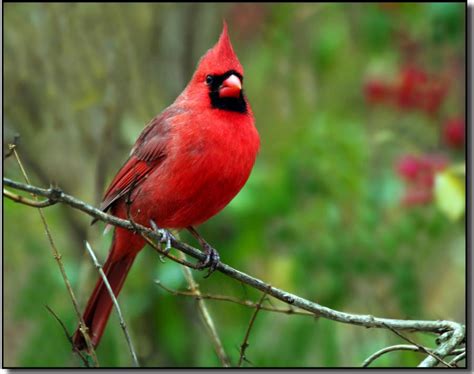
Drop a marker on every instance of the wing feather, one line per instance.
(147, 154)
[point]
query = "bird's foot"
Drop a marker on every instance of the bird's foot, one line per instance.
(166, 237)
(211, 261)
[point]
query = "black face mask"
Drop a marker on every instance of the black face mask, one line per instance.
(233, 104)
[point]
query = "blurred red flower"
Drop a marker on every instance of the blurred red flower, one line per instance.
(414, 89)
(377, 91)
(408, 166)
(410, 87)
(418, 172)
(454, 132)
(434, 93)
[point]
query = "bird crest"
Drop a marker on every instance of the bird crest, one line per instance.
(219, 59)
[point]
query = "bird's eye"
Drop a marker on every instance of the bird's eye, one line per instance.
(209, 79)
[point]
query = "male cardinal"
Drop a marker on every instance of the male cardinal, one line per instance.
(187, 164)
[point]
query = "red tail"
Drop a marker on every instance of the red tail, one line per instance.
(116, 269)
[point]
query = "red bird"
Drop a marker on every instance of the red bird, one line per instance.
(188, 163)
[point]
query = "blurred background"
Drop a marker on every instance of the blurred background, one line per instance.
(356, 201)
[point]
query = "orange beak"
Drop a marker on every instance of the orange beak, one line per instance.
(231, 87)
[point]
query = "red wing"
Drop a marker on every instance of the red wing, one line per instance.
(130, 175)
(147, 154)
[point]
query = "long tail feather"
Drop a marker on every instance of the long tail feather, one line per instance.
(100, 303)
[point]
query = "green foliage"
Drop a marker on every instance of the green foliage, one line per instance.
(320, 215)
(447, 22)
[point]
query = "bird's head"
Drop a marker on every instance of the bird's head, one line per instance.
(219, 77)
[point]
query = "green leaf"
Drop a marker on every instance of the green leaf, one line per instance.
(450, 194)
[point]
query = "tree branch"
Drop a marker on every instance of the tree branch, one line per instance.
(458, 358)
(456, 330)
(405, 347)
(24, 200)
(77, 228)
(68, 336)
(57, 256)
(245, 343)
(423, 349)
(247, 303)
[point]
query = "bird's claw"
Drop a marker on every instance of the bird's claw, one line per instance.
(211, 261)
(166, 236)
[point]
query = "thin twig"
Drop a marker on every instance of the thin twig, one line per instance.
(398, 347)
(457, 330)
(247, 303)
(68, 335)
(458, 358)
(12, 146)
(116, 304)
(205, 315)
(245, 343)
(423, 349)
(401, 347)
(24, 200)
(57, 256)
